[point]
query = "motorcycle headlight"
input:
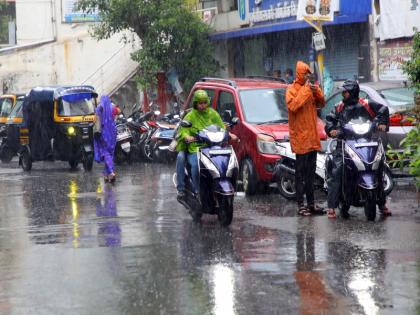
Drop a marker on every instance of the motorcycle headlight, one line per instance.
(361, 129)
(267, 145)
(71, 131)
(356, 159)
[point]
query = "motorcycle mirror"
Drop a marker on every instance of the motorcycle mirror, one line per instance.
(235, 120)
(186, 124)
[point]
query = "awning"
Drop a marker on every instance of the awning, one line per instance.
(284, 26)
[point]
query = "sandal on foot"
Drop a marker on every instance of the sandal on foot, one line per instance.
(316, 210)
(385, 212)
(304, 211)
(331, 214)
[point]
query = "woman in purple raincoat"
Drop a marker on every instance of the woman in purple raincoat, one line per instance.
(104, 144)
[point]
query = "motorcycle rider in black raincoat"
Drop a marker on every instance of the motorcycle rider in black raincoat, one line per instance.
(351, 107)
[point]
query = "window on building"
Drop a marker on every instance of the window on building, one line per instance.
(7, 23)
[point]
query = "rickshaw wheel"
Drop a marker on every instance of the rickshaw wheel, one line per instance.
(88, 162)
(26, 161)
(73, 164)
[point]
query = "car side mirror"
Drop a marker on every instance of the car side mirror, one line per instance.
(227, 116)
(186, 124)
(235, 120)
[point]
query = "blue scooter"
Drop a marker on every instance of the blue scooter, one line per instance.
(363, 167)
(218, 167)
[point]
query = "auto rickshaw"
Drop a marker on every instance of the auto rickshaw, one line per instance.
(60, 125)
(7, 103)
(14, 133)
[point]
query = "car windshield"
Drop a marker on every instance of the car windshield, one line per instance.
(17, 110)
(76, 105)
(399, 98)
(5, 106)
(264, 106)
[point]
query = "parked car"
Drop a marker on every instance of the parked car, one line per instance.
(259, 103)
(398, 98)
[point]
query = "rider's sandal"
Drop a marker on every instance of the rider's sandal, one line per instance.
(304, 211)
(386, 212)
(316, 210)
(331, 214)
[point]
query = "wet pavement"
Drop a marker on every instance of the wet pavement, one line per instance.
(71, 245)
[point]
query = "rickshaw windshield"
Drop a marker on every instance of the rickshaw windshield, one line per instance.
(76, 105)
(6, 105)
(17, 110)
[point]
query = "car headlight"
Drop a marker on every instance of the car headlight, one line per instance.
(71, 131)
(267, 145)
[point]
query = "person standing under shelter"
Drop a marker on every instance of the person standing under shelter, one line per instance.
(303, 99)
(105, 141)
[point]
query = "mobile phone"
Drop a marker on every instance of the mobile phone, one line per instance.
(312, 79)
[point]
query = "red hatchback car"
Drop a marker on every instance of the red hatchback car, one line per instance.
(260, 105)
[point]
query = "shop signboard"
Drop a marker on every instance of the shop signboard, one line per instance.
(70, 15)
(271, 10)
(391, 56)
(321, 10)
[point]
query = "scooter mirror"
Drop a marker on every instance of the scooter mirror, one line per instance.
(186, 124)
(235, 120)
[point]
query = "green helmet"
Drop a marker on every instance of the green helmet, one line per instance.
(200, 96)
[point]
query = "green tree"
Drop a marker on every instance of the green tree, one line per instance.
(411, 143)
(172, 36)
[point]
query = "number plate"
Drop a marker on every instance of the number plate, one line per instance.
(220, 151)
(366, 144)
(125, 145)
(122, 135)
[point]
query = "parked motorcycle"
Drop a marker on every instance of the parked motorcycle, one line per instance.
(284, 172)
(218, 168)
(124, 139)
(162, 138)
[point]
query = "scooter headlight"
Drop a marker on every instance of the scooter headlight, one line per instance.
(361, 129)
(356, 159)
(71, 131)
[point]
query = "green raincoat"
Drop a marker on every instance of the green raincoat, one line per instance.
(199, 120)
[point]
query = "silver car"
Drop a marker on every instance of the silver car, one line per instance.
(396, 96)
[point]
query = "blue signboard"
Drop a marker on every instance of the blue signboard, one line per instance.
(267, 11)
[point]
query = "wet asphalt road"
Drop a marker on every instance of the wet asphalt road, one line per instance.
(71, 245)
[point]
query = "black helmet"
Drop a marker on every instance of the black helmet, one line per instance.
(351, 86)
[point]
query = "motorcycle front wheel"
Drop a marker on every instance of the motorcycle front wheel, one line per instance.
(225, 213)
(370, 205)
(286, 185)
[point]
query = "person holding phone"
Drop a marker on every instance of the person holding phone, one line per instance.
(304, 97)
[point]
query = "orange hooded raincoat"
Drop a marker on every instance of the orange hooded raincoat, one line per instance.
(302, 105)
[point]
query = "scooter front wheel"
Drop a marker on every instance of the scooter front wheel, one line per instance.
(225, 213)
(370, 205)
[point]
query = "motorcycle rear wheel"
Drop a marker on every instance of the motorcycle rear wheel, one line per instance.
(26, 161)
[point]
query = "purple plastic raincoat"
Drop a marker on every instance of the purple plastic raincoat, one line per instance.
(104, 145)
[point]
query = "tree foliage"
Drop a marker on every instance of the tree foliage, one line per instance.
(172, 36)
(411, 143)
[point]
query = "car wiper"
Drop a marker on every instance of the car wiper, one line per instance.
(277, 121)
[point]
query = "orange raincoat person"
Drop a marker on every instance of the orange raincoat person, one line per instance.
(303, 100)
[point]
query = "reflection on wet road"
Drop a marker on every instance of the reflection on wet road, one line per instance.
(70, 244)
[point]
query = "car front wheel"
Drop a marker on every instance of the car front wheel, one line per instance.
(249, 177)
